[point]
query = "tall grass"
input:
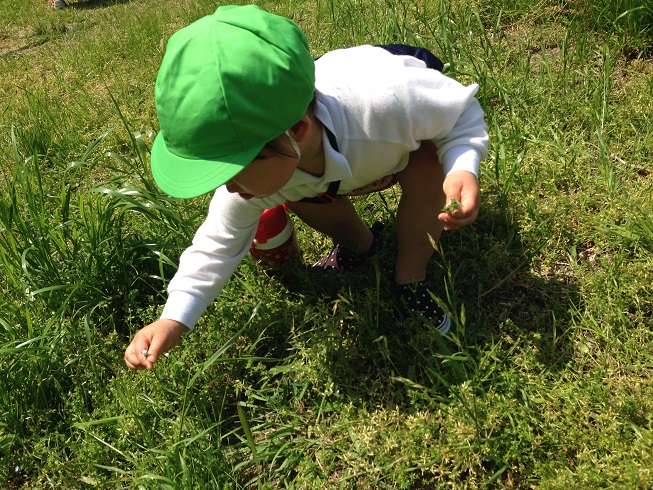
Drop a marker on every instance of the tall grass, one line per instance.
(313, 381)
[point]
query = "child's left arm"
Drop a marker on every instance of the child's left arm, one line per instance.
(463, 186)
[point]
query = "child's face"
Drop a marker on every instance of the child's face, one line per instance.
(268, 173)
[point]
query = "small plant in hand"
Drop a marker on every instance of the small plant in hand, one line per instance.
(452, 206)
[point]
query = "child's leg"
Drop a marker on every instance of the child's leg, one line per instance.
(338, 220)
(422, 198)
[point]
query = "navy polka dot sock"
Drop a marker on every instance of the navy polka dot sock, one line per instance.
(416, 298)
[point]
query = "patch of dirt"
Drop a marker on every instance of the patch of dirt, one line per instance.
(13, 40)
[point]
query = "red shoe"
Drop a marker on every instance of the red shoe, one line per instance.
(343, 258)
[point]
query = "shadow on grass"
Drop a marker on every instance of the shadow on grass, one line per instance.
(326, 342)
(488, 280)
(515, 294)
(94, 4)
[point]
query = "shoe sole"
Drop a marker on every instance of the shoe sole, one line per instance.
(445, 327)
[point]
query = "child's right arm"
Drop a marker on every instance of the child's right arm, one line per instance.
(205, 267)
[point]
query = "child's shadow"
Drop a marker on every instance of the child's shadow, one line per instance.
(486, 279)
(94, 4)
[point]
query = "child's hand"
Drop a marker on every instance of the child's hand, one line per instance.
(152, 341)
(463, 187)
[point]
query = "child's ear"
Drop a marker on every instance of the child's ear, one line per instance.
(302, 128)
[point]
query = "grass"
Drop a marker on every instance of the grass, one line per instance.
(545, 381)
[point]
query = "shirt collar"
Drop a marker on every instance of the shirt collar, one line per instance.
(336, 166)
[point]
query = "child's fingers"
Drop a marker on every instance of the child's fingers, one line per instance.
(463, 215)
(132, 359)
(137, 354)
(152, 341)
(452, 222)
(154, 352)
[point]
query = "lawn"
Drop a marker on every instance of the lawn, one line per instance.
(312, 381)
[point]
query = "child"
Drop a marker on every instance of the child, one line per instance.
(244, 109)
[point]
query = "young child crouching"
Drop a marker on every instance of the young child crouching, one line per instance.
(246, 112)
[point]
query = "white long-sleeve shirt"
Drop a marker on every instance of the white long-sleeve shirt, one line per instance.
(379, 106)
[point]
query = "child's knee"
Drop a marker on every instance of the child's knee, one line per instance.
(423, 169)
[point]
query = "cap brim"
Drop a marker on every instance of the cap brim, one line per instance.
(185, 178)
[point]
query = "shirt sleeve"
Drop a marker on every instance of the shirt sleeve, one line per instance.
(205, 267)
(435, 107)
(402, 102)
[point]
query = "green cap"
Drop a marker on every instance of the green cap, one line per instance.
(228, 83)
